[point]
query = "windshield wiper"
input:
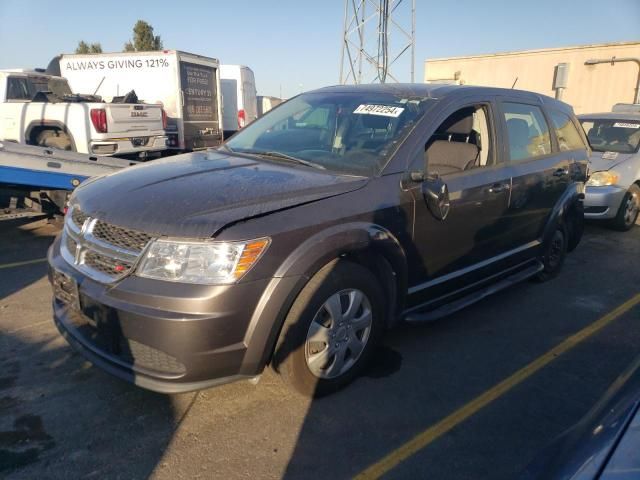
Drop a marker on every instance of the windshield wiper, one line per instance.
(282, 156)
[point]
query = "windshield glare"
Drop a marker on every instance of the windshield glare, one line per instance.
(622, 136)
(352, 133)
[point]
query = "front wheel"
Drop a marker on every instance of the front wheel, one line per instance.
(628, 211)
(553, 254)
(331, 329)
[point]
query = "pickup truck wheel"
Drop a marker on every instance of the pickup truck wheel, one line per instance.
(554, 253)
(331, 329)
(628, 211)
(54, 139)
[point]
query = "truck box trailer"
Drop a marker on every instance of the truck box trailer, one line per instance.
(187, 86)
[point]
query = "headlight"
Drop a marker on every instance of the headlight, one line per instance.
(201, 262)
(602, 179)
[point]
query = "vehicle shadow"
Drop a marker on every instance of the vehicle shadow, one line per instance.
(60, 417)
(23, 241)
(422, 373)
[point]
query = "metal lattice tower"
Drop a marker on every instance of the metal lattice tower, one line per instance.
(368, 54)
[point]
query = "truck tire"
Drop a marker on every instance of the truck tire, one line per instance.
(331, 330)
(628, 211)
(54, 139)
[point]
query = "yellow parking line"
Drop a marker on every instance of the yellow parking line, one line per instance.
(424, 438)
(20, 264)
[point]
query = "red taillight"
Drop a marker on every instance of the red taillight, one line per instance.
(99, 119)
(164, 119)
(242, 120)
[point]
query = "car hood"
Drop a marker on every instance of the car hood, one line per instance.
(605, 441)
(607, 160)
(195, 195)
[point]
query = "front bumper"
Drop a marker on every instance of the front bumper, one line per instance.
(164, 337)
(129, 145)
(603, 202)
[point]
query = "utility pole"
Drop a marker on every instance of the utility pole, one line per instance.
(376, 35)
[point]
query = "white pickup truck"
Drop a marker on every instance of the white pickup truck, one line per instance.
(40, 109)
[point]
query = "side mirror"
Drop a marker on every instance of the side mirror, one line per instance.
(436, 195)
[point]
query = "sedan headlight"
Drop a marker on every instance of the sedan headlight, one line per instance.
(603, 179)
(201, 262)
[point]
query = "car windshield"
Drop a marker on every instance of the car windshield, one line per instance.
(348, 133)
(608, 135)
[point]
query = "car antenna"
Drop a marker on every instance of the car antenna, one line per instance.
(96, 90)
(514, 83)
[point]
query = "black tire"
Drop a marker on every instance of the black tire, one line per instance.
(554, 252)
(628, 211)
(293, 349)
(54, 139)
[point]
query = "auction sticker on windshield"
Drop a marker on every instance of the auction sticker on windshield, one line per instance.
(626, 125)
(383, 110)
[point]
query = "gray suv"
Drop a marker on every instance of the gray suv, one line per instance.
(313, 230)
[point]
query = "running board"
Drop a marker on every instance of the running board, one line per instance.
(420, 317)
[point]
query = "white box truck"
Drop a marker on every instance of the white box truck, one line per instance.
(240, 103)
(187, 86)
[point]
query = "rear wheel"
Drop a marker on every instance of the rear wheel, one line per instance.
(331, 329)
(54, 139)
(554, 253)
(628, 211)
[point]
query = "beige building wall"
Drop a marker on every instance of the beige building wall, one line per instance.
(594, 88)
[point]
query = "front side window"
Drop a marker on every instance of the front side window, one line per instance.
(608, 135)
(350, 133)
(527, 130)
(461, 143)
(568, 136)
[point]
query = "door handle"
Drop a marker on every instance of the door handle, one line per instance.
(498, 187)
(560, 172)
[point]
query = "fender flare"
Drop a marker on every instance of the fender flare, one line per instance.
(573, 195)
(358, 238)
(55, 124)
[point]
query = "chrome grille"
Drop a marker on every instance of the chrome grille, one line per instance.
(106, 264)
(78, 217)
(71, 244)
(121, 237)
(102, 251)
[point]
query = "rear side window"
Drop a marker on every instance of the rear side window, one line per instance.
(18, 89)
(527, 130)
(566, 131)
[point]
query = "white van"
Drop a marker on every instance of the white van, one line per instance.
(239, 99)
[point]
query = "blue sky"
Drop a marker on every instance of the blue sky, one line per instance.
(295, 44)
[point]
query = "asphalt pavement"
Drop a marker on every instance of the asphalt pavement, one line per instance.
(454, 399)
